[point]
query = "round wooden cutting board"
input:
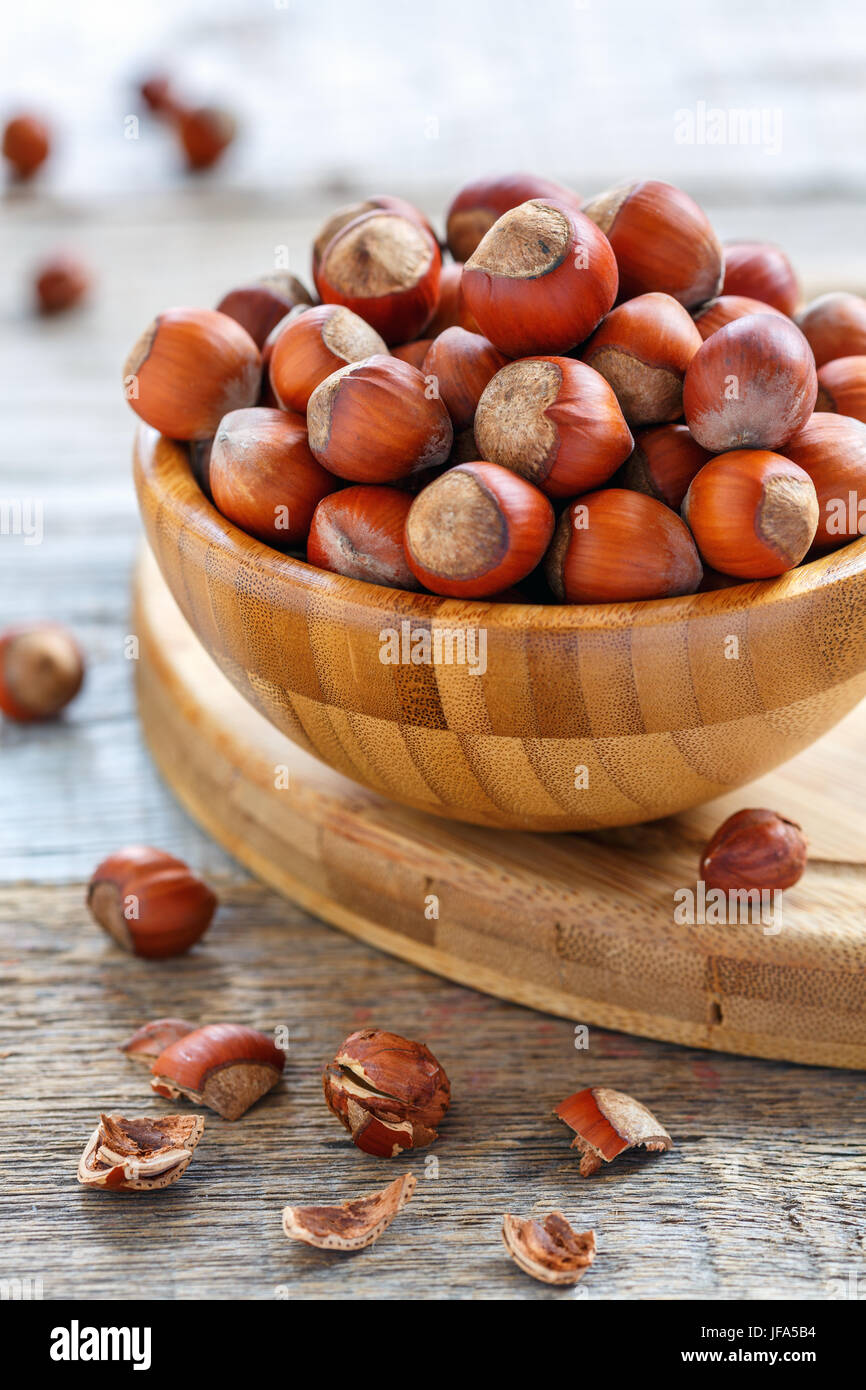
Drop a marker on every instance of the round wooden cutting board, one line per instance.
(577, 925)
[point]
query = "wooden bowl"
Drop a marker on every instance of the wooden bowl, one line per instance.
(583, 717)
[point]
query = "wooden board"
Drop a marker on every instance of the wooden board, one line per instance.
(762, 1195)
(581, 926)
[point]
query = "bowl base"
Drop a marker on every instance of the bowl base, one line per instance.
(582, 926)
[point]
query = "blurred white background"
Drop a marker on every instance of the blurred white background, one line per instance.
(334, 96)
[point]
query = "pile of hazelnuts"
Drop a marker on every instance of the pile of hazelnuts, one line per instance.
(588, 402)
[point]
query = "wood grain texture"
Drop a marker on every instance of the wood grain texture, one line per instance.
(763, 1195)
(581, 926)
(642, 696)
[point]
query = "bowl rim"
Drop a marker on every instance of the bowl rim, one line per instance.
(162, 466)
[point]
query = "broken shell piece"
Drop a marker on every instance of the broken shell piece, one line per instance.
(223, 1066)
(139, 1155)
(553, 1252)
(148, 1041)
(390, 1093)
(607, 1122)
(351, 1225)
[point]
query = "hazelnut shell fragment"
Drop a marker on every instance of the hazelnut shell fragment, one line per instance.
(389, 1092)
(552, 1251)
(606, 1123)
(224, 1066)
(148, 1041)
(349, 1225)
(139, 1155)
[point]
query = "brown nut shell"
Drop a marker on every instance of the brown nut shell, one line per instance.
(606, 1123)
(751, 386)
(642, 349)
(760, 270)
(661, 239)
(150, 902)
(755, 849)
(188, 369)
(478, 205)
(541, 279)
(148, 1041)
(349, 1225)
(550, 1251)
(554, 421)
(832, 450)
(41, 671)
(834, 326)
(224, 1066)
(719, 312)
(459, 365)
(842, 387)
(753, 513)
(374, 421)
(358, 532)
(384, 267)
(389, 1092)
(617, 546)
(663, 463)
(314, 344)
(139, 1155)
(259, 307)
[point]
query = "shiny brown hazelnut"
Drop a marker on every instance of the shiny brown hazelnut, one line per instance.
(835, 326)
(832, 450)
(755, 849)
(663, 463)
(459, 365)
(760, 270)
(41, 671)
(642, 348)
(314, 344)
(260, 306)
(150, 902)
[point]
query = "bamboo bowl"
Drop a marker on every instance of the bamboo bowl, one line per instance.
(583, 717)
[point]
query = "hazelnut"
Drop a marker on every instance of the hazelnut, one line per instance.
(460, 364)
(223, 1066)
(150, 902)
(263, 476)
(550, 1251)
(606, 1123)
(752, 513)
(259, 307)
(379, 202)
(413, 353)
(642, 349)
(157, 95)
(835, 326)
(61, 283)
(661, 239)
(385, 267)
(314, 344)
(716, 313)
(41, 670)
(842, 387)
(390, 1093)
(26, 144)
(751, 385)
(663, 463)
(451, 311)
(139, 1155)
(832, 450)
(762, 271)
(540, 280)
(554, 421)
(476, 207)
(358, 532)
(476, 530)
(617, 546)
(374, 422)
(188, 369)
(754, 849)
(205, 133)
(350, 1225)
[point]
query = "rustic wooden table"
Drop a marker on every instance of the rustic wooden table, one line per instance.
(763, 1195)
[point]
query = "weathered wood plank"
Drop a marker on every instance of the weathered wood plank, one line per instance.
(763, 1195)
